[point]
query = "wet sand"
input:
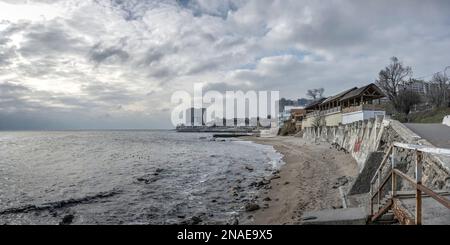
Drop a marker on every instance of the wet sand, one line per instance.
(308, 181)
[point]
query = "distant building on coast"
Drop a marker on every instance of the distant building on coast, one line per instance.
(287, 103)
(349, 106)
(195, 117)
(417, 86)
(291, 112)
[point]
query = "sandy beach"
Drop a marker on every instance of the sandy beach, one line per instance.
(308, 181)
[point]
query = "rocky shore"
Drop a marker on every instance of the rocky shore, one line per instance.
(309, 180)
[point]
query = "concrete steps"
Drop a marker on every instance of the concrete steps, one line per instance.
(387, 219)
(433, 212)
(347, 216)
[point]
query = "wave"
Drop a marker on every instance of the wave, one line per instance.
(59, 204)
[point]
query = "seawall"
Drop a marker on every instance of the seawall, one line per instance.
(361, 139)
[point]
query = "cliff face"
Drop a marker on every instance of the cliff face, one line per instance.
(362, 138)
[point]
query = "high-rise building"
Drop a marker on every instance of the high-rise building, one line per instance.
(195, 117)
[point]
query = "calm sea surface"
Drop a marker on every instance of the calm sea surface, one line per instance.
(127, 177)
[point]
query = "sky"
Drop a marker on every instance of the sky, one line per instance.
(114, 64)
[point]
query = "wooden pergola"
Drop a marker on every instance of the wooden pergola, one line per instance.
(361, 96)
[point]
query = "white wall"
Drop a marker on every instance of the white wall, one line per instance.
(446, 121)
(360, 116)
(352, 117)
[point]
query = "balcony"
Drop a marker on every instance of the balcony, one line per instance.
(365, 107)
(324, 112)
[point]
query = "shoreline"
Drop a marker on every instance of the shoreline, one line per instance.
(309, 180)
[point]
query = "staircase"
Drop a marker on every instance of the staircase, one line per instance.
(420, 206)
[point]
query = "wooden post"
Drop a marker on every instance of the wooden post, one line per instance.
(418, 192)
(394, 180)
(378, 189)
(371, 199)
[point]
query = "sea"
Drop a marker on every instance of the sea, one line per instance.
(129, 177)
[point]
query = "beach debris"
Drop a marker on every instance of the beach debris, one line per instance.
(235, 190)
(148, 179)
(250, 207)
(341, 181)
(234, 221)
(67, 220)
(309, 218)
(267, 199)
(286, 183)
(158, 171)
(260, 184)
(196, 220)
(276, 176)
(337, 207)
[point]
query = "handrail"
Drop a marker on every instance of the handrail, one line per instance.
(417, 183)
(384, 182)
(383, 162)
(424, 189)
(423, 148)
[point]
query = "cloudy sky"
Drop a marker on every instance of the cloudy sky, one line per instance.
(115, 63)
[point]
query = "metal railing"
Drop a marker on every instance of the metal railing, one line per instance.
(324, 112)
(394, 173)
(363, 107)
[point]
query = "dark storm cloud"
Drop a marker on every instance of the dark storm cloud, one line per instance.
(14, 98)
(100, 54)
(50, 39)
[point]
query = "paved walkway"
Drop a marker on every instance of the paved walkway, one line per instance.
(436, 134)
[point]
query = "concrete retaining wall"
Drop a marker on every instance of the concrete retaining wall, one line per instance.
(362, 138)
(446, 121)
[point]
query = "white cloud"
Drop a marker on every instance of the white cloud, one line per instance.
(123, 59)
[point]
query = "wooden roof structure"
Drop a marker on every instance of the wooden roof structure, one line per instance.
(338, 96)
(368, 92)
(315, 104)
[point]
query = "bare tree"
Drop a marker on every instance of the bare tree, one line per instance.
(393, 80)
(317, 123)
(438, 92)
(315, 94)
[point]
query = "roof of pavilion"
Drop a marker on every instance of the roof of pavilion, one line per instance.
(338, 96)
(371, 90)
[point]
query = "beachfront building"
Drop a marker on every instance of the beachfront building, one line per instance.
(312, 117)
(290, 112)
(362, 104)
(349, 106)
(331, 109)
